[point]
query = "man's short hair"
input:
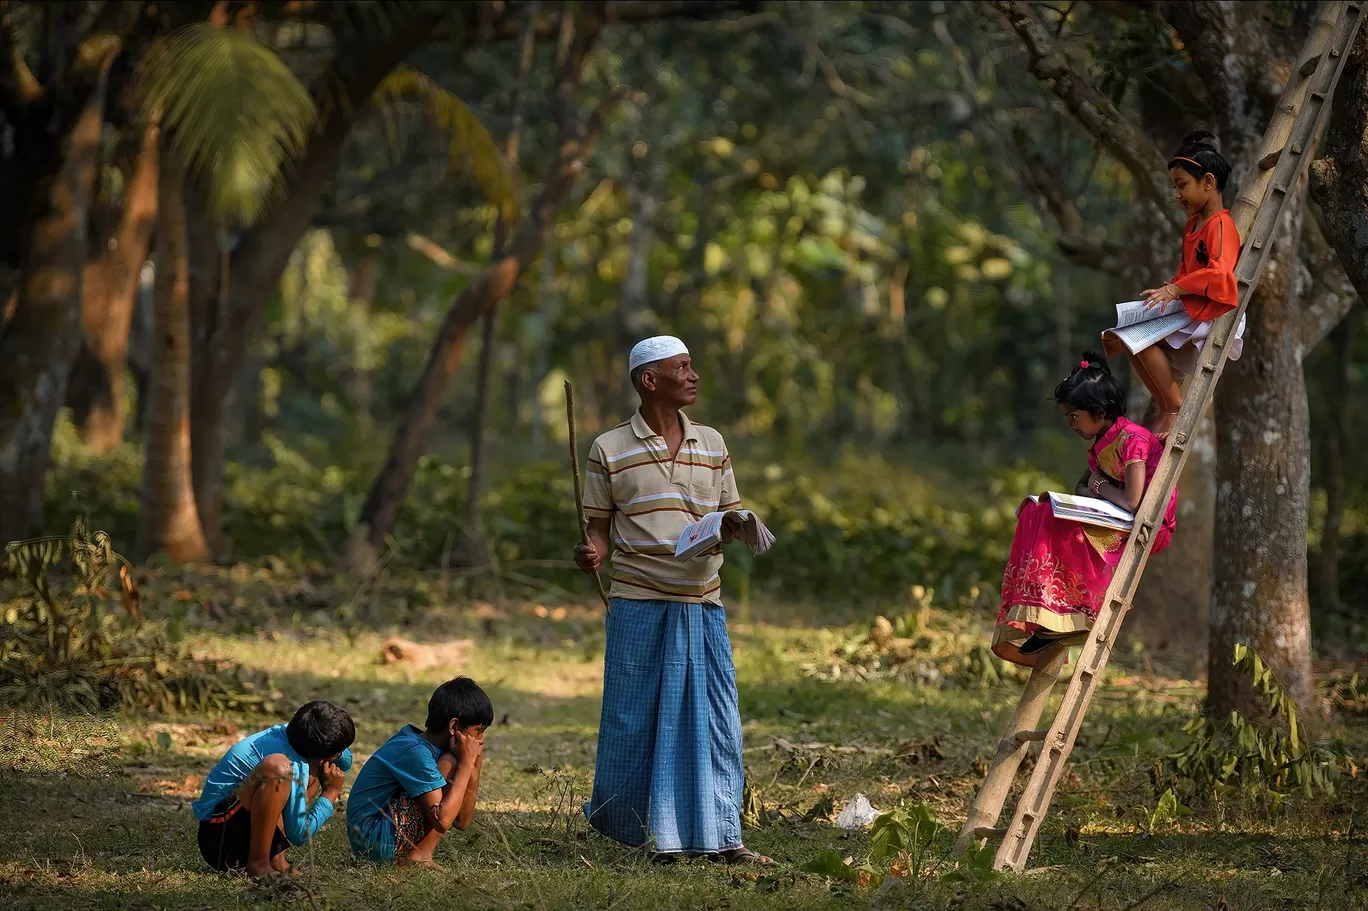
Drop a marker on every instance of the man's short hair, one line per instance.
(320, 730)
(637, 373)
(460, 698)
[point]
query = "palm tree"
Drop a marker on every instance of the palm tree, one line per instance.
(232, 115)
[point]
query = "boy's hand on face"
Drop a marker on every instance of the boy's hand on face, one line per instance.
(469, 746)
(332, 778)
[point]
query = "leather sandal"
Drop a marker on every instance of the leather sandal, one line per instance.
(741, 855)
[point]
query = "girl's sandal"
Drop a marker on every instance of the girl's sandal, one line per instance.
(741, 855)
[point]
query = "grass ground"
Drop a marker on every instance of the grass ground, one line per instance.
(95, 813)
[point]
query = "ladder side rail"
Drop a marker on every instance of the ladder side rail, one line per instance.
(1011, 750)
(1291, 162)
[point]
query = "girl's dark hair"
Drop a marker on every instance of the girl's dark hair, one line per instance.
(460, 698)
(1092, 388)
(1200, 147)
(320, 730)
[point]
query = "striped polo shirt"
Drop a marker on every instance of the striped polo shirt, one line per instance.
(632, 480)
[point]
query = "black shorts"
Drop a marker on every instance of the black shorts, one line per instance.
(225, 839)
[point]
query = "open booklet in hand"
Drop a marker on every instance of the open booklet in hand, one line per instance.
(1089, 511)
(1138, 327)
(706, 534)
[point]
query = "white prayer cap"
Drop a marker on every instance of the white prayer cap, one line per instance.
(658, 348)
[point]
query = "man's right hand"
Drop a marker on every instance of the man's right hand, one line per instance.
(587, 558)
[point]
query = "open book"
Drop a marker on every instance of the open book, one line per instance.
(706, 533)
(1138, 327)
(1089, 511)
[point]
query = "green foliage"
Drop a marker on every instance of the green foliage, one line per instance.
(1166, 811)
(234, 112)
(906, 835)
(901, 844)
(1271, 760)
(859, 529)
(61, 649)
(832, 865)
(469, 144)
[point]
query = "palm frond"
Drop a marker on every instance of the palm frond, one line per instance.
(469, 144)
(234, 113)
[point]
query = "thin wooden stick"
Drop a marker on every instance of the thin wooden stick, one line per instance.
(575, 475)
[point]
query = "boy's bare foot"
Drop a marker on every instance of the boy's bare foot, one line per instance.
(1163, 425)
(418, 860)
(256, 871)
(281, 865)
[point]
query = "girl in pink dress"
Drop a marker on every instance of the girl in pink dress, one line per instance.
(1059, 570)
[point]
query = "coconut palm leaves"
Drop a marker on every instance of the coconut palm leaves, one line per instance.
(235, 114)
(233, 110)
(469, 144)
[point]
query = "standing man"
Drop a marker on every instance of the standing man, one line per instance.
(669, 768)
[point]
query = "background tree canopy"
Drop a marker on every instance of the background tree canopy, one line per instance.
(298, 285)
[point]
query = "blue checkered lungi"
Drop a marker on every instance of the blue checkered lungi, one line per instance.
(669, 770)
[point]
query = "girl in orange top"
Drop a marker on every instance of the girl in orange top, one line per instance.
(1205, 279)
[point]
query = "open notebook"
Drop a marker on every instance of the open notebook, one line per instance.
(1138, 327)
(1089, 511)
(706, 533)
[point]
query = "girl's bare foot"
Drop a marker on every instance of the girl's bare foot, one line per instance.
(1163, 425)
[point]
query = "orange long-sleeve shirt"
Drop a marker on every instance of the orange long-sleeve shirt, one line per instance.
(1207, 272)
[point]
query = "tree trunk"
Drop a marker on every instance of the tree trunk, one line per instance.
(1339, 179)
(110, 291)
(546, 317)
(169, 521)
(635, 316)
(40, 340)
(1332, 467)
(1259, 595)
(472, 551)
(359, 388)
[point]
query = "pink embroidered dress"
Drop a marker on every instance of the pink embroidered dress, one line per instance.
(1058, 570)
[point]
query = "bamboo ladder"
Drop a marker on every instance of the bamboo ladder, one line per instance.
(1282, 161)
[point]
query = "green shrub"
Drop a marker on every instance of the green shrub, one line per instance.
(858, 529)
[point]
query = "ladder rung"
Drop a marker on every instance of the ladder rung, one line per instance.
(990, 833)
(1310, 65)
(1269, 160)
(1035, 736)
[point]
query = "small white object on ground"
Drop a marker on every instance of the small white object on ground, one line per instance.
(857, 813)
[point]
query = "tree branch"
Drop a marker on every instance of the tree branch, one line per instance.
(506, 24)
(18, 87)
(1094, 111)
(1330, 295)
(1207, 29)
(1077, 242)
(1339, 178)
